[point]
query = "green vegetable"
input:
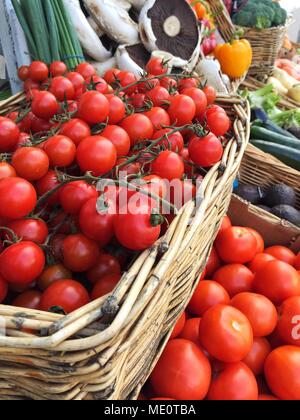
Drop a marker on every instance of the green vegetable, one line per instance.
(287, 119)
(287, 155)
(265, 98)
(263, 134)
(269, 125)
(53, 30)
(261, 15)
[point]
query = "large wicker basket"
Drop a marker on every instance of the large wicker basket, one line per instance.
(107, 349)
(265, 43)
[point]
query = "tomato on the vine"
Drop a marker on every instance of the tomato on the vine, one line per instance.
(111, 75)
(157, 66)
(74, 195)
(79, 253)
(30, 163)
(168, 165)
(158, 117)
(23, 73)
(117, 109)
(7, 170)
(61, 151)
(62, 88)
(44, 105)
(76, 130)
(52, 274)
(93, 107)
(159, 96)
(173, 142)
(86, 70)
(33, 230)
(182, 110)
(138, 127)
(205, 151)
(38, 71)
(46, 184)
(9, 135)
(17, 198)
(119, 138)
(106, 265)
(199, 99)
(58, 68)
(210, 93)
(30, 299)
(105, 285)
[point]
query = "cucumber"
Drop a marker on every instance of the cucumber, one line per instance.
(287, 155)
(269, 125)
(263, 134)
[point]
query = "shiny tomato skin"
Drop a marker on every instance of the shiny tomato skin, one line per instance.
(47, 184)
(66, 294)
(117, 109)
(38, 71)
(32, 230)
(178, 326)
(191, 330)
(183, 372)
(205, 151)
(9, 135)
(188, 83)
(174, 142)
(138, 127)
(58, 68)
(199, 99)
(3, 289)
(235, 278)
(127, 78)
(260, 240)
(75, 194)
(106, 264)
(282, 253)
(157, 66)
(236, 245)
(23, 73)
(211, 94)
(22, 263)
(182, 110)
(62, 88)
(119, 138)
(158, 96)
(52, 274)
(7, 170)
(282, 372)
(93, 108)
(17, 198)
(158, 117)
(105, 285)
(218, 123)
(213, 263)
(259, 261)
(111, 75)
(86, 70)
(226, 224)
(44, 105)
(61, 151)
(255, 359)
(31, 163)
(168, 165)
(226, 334)
(30, 299)
(265, 397)
(288, 328)
(76, 130)
(208, 294)
(79, 253)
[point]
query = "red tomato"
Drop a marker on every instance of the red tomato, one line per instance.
(199, 99)
(76, 130)
(80, 253)
(17, 198)
(182, 110)
(68, 295)
(31, 163)
(235, 278)
(74, 195)
(168, 165)
(105, 285)
(289, 321)
(260, 241)
(234, 382)
(282, 372)
(178, 326)
(297, 262)
(77, 80)
(218, 123)
(191, 330)
(138, 127)
(22, 263)
(208, 294)
(119, 138)
(47, 184)
(226, 334)
(137, 100)
(7, 171)
(260, 312)
(3, 289)
(264, 397)
(111, 76)
(259, 261)
(97, 155)
(187, 83)
(183, 372)
(236, 245)
(277, 281)
(60, 150)
(56, 244)
(32, 230)
(98, 84)
(106, 265)
(117, 109)
(38, 125)
(38, 71)
(155, 185)
(173, 142)
(211, 94)
(157, 66)
(62, 88)
(52, 274)
(30, 299)
(158, 117)
(159, 96)
(58, 68)
(9, 135)
(213, 263)
(125, 79)
(86, 70)
(226, 224)
(93, 108)
(205, 151)
(23, 73)
(168, 83)
(282, 253)
(44, 105)
(255, 360)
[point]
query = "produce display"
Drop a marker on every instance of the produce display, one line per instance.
(260, 15)
(238, 338)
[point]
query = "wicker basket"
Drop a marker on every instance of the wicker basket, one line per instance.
(265, 43)
(107, 349)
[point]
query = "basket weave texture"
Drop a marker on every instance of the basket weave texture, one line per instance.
(107, 349)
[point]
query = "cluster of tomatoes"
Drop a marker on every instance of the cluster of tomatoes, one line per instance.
(75, 128)
(239, 338)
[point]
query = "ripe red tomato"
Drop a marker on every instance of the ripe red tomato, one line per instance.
(3, 289)
(211, 94)
(182, 110)
(159, 96)
(31, 163)
(47, 184)
(259, 261)
(277, 281)
(205, 151)
(75, 194)
(289, 321)
(68, 295)
(126, 78)
(105, 285)
(117, 109)
(234, 382)
(158, 117)
(44, 105)
(138, 127)
(111, 76)
(218, 123)
(22, 263)
(7, 171)
(60, 150)
(191, 330)
(119, 138)
(199, 99)
(235, 278)
(260, 241)
(76, 130)
(173, 142)
(93, 108)
(106, 265)
(255, 360)
(32, 230)
(213, 263)
(168, 83)
(208, 294)
(260, 312)
(226, 223)
(98, 84)
(168, 165)
(282, 372)
(86, 70)
(58, 68)
(157, 66)
(62, 88)
(226, 333)
(30, 299)
(38, 71)
(97, 155)
(183, 372)
(17, 198)
(187, 83)
(236, 245)
(178, 326)
(38, 125)
(77, 80)
(297, 262)
(52, 274)
(9, 135)
(23, 73)
(155, 185)
(79, 253)
(282, 253)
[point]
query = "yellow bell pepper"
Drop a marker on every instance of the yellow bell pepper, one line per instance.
(235, 58)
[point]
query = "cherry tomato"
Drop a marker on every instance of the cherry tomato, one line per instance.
(234, 382)
(213, 263)
(98, 83)
(3, 289)
(187, 83)
(236, 245)
(38, 71)
(235, 278)
(191, 330)
(282, 372)
(117, 109)
(97, 155)
(199, 99)
(182, 110)
(30, 299)
(23, 73)
(255, 360)
(105, 285)
(282, 253)
(93, 107)
(39, 125)
(22, 263)
(138, 127)
(205, 151)
(260, 312)
(277, 281)
(111, 76)
(58, 68)
(52, 274)
(86, 70)
(178, 326)
(31, 163)
(119, 138)
(260, 241)
(68, 295)
(226, 224)
(30, 86)
(77, 81)
(259, 261)
(32, 230)
(74, 195)
(46, 184)
(7, 170)
(289, 321)
(80, 253)
(61, 151)
(44, 105)
(9, 135)
(218, 123)
(76, 130)
(226, 333)
(137, 100)
(17, 198)
(158, 117)
(168, 83)
(208, 294)
(125, 79)
(62, 88)
(106, 265)
(157, 66)
(168, 165)
(183, 372)
(211, 94)
(159, 96)
(173, 142)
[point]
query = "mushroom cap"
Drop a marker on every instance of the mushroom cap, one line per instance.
(171, 26)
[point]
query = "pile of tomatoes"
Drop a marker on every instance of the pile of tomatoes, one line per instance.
(239, 338)
(57, 251)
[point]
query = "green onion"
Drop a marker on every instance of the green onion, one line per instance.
(53, 30)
